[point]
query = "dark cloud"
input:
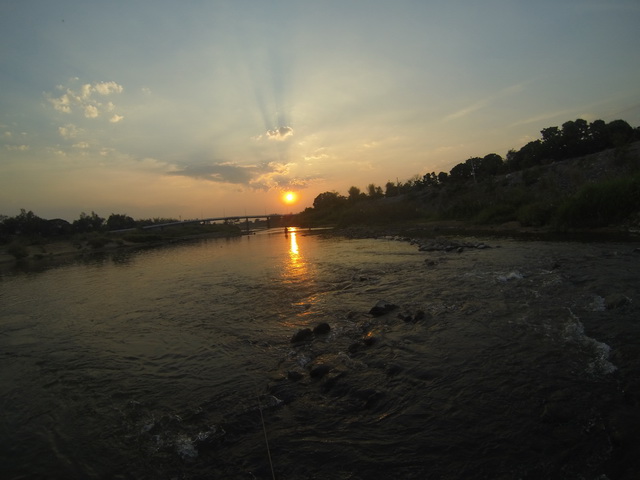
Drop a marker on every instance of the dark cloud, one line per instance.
(280, 133)
(263, 176)
(217, 172)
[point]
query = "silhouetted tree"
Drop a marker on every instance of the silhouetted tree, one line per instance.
(119, 221)
(374, 191)
(391, 189)
(460, 172)
(355, 195)
(329, 201)
(88, 223)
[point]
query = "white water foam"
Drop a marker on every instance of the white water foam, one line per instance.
(600, 364)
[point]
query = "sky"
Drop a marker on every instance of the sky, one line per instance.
(195, 109)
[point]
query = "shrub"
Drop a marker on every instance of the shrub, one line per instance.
(142, 238)
(97, 242)
(535, 214)
(18, 251)
(496, 214)
(598, 205)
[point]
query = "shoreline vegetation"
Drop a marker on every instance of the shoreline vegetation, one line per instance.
(579, 182)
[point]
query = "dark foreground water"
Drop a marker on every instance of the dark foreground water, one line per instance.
(516, 361)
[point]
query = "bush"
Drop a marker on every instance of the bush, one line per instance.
(599, 205)
(496, 214)
(535, 214)
(142, 238)
(97, 242)
(18, 251)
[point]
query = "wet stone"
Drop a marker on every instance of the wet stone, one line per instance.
(322, 329)
(319, 371)
(381, 308)
(302, 335)
(616, 300)
(294, 376)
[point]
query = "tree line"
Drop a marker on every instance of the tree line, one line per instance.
(29, 224)
(572, 139)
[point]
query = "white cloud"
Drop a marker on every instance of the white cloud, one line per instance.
(69, 131)
(83, 99)
(81, 145)
(116, 118)
(17, 148)
(91, 111)
(106, 88)
(62, 104)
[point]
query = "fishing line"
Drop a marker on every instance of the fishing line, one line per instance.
(266, 438)
(264, 427)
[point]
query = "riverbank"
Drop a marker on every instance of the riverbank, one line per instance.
(62, 249)
(514, 229)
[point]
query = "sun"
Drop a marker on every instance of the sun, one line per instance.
(289, 198)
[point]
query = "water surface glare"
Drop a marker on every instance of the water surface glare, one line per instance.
(514, 361)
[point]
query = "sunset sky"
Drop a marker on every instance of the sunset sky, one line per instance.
(192, 109)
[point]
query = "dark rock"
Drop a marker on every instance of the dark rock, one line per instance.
(460, 249)
(616, 300)
(406, 318)
(330, 381)
(294, 376)
(302, 335)
(355, 347)
(381, 308)
(420, 315)
(322, 329)
(368, 340)
(393, 369)
(319, 371)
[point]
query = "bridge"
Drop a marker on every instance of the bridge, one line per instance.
(236, 218)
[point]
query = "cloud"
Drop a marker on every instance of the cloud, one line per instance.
(280, 133)
(485, 102)
(17, 148)
(84, 99)
(318, 154)
(468, 110)
(216, 172)
(106, 88)
(116, 118)
(265, 176)
(91, 111)
(69, 131)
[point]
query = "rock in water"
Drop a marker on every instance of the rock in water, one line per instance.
(319, 371)
(381, 308)
(322, 328)
(302, 335)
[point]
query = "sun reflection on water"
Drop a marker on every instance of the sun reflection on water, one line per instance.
(296, 267)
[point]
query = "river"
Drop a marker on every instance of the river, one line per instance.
(518, 360)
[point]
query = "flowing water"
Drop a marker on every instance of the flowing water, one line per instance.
(516, 361)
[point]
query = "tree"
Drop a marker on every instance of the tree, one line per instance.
(491, 164)
(619, 133)
(329, 201)
(460, 172)
(355, 195)
(119, 221)
(391, 189)
(88, 223)
(374, 191)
